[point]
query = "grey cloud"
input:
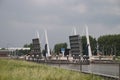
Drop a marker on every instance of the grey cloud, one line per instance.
(21, 18)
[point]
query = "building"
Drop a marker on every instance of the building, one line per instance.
(4, 53)
(36, 50)
(75, 45)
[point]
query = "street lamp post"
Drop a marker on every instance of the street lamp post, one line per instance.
(67, 57)
(37, 58)
(59, 61)
(33, 57)
(80, 61)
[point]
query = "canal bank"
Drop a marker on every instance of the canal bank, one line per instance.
(107, 70)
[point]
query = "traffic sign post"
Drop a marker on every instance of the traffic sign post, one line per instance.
(63, 51)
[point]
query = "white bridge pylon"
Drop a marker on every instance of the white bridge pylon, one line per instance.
(74, 31)
(88, 43)
(48, 49)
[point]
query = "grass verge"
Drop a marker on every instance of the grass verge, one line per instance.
(22, 70)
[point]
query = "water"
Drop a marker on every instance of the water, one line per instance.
(104, 69)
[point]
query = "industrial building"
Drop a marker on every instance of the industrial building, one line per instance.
(36, 50)
(75, 45)
(4, 53)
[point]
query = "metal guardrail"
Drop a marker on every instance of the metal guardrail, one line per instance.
(62, 62)
(105, 76)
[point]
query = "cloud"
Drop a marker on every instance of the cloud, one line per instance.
(20, 19)
(45, 3)
(81, 8)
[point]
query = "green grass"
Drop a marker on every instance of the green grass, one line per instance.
(118, 58)
(22, 70)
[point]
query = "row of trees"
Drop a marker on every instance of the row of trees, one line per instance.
(105, 45)
(93, 43)
(109, 44)
(57, 47)
(24, 52)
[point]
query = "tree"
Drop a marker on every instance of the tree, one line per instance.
(57, 47)
(28, 45)
(3, 49)
(109, 44)
(93, 44)
(24, 52)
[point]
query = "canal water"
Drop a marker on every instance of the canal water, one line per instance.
(101, 69)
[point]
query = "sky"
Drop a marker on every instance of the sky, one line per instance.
(21, 19)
